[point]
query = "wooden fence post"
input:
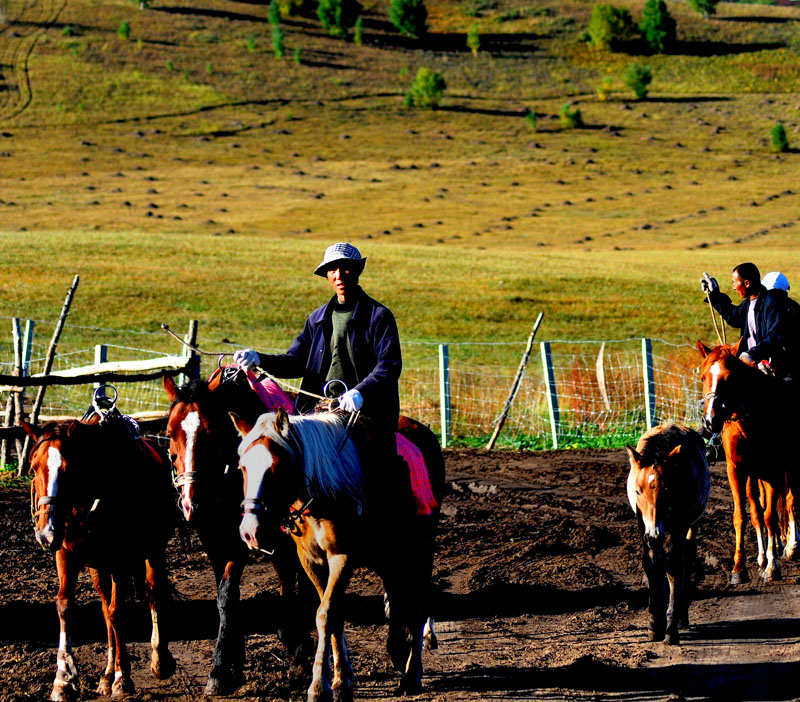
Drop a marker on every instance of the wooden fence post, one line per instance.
(187, 353)
(649, 383)
(444, 392)
(515, 384)
(552, 395)
(11, 403)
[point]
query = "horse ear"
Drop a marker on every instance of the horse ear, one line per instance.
(170, 387)
(282, 422)
(704, 350)
(242, 426)
(32, 431)
(73, 427)
(735, 347)
(633, 455)
(675, 452)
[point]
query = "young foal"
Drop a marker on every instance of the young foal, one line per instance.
(668, 488)
(756, 421)
(102, 498)
(203, 445)
(299, 473)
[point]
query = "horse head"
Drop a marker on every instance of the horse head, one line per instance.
(725, 384)
(266, 456)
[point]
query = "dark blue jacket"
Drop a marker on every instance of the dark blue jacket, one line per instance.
(771, 325)
(375, 345)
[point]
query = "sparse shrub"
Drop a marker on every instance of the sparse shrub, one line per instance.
(358, 31)
(296, 57)
(170, 65)
(274, 13)
(290, 8)
(610, 27)
(278, 47)
(338, 16)
(250, 44)
(427, 89)
(605, 88)
(704, 7)
(67, 31)
(638, 78)
(780, 142)
(409, 17)
(124, 30)
(473, 39)
(657, 26)
(186, 74)
(209, 68)
(569, 118)
(530, 120)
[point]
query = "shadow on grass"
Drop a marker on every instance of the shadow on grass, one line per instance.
(757, 20)
(720, 48)
(455, 43)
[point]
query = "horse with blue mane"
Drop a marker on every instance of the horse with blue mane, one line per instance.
(313, 476)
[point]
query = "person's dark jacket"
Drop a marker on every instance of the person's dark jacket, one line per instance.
(375, 345)
(771, 323)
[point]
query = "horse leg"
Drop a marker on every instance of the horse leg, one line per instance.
(755, 495)
(772, 571)
(676, 577)
(429, 635)
(738, 485)
(65, 684)
(690, 555)
(228, 661)
(162, 664)
(790, 549)
(102, 583)
(654, 569)
(123, 682)
(296, 609)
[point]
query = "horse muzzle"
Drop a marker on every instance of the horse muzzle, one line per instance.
(47, 537)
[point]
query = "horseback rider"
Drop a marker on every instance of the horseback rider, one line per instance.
(763, 318)
(351, 338)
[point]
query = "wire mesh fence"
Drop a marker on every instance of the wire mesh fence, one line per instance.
(599, 387)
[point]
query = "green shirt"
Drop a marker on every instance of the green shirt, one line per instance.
(342, 365)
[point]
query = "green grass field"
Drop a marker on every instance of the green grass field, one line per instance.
(185, 176)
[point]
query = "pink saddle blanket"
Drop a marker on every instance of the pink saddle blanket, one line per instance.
(271, 394)
(420, 481)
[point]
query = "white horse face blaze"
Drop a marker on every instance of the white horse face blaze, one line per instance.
(715, 372)
(255, 463)
(54, 463)
(190, 425)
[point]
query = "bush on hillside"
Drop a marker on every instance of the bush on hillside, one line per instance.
(569, 118)
(704, 7)
(274, 12)
(605, 88)
(610, 27)
(278, 47)
(338, 16)
(638, 78)
(409, 17)
(657, 26)
(427, 89)
(358, 31)
(780, 142)
(473, 39)
(124, 30)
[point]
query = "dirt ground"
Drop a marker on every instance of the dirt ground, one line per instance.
(540, 596)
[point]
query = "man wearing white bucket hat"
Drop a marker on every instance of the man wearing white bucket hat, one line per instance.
(351, 338)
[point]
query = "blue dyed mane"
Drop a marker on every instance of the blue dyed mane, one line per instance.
(331, 476)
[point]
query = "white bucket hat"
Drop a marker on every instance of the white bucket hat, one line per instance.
(775, 280)
(340, 252)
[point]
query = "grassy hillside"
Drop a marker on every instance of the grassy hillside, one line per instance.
(187, 173)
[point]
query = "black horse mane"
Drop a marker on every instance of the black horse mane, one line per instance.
(194, 391)
(657, 447)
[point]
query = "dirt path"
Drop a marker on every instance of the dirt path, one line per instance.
(540, 597)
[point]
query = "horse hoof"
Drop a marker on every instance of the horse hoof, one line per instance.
(64, 692)
(162, 665)
(672, 638)
(771, 575)
(343, 693)
(104, 686)
(122, 687)
(409, 686)
(790, 553)
(740, 577)
(221, 685)
(431, 642)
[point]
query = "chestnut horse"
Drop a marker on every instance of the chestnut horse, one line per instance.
(668, 488)
(308, 474)
(751, 412)
(101, 497)
(203, 445)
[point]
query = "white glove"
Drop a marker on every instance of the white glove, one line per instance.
(747, 358)
(245, 358)
(351, 401)
(708, 284)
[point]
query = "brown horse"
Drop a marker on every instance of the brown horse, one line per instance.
(203, 445)
(751, 412)
(309, 475)
(668, 488)
(101, 498)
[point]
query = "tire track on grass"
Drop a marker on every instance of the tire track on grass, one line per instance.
(17, 41)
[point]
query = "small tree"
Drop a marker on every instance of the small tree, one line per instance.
(473, 39)
(409, 17)
(250, 44)
(780, 142)
(605, 88)
(274, 13)
(530, 120)
(704, 7)
(657, 26)
(610, 26)
(337, 16)
(570, 118)
(427, 89)
(124, 30)
(358, 31)
(638, 77)
(278, 36)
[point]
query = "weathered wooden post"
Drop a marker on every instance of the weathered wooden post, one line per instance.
(552, 394)
(649, 383)
(191, 356)
(444, 392)
(516, 383)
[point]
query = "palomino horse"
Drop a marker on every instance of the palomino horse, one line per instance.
(750, 410)
(203, 445)
(306, 474)
(668, 488)
(101, 497)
